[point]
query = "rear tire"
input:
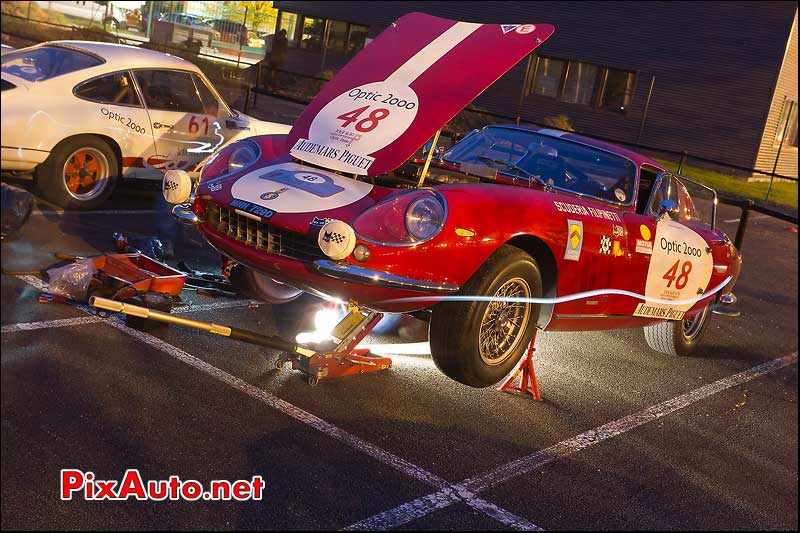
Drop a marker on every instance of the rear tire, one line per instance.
(80, 173)
(259, 286)
(677, 337)
(478, 343)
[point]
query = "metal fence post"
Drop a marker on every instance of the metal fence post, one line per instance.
(683, 160)
(780, 146)
(737, 242)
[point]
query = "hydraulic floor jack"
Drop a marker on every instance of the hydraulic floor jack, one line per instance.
(345, 359)
(342, 359)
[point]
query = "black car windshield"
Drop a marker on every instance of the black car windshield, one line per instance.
(45, 62)
(563, 164)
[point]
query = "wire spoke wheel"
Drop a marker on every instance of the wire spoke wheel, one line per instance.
(504, 322)
(86, 173)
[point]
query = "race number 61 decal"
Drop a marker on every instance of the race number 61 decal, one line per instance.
(680, 269)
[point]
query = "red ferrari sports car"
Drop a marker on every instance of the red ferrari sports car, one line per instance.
(513, 228)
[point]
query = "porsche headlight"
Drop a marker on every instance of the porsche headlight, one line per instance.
(403, 219)
(242, 156)
(424, 218)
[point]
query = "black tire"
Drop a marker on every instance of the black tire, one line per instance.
(455, 328)
(261, 287)
(677, 337)
(51, 176)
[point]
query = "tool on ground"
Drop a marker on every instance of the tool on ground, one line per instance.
(344, 360)
(528, 383)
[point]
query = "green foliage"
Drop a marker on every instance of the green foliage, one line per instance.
(261, 16)
(560, 122)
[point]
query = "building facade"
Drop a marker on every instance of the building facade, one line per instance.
(718, 79)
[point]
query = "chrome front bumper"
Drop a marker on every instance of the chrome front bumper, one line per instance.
(365, 276)
(184, 213)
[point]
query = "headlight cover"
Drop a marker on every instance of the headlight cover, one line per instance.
(231, 159)
(404, 219)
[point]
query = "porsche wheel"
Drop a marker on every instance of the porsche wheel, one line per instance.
(477, 343)
(256, 285)
(677, 337)
(80, 173)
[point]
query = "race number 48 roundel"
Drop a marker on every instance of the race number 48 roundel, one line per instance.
(680, 270)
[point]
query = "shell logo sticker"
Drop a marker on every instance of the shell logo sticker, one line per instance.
(680, 269)
(574, 240)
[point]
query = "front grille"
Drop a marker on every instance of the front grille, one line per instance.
(261, 236)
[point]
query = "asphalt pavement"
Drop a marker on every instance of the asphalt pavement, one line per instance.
(625, 438)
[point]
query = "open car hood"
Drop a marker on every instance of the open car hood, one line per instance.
(406, 84)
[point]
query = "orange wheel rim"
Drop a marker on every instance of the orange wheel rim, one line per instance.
(83, 172)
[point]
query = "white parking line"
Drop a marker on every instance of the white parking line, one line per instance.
(401, 465)
(753, 217)
(499, 514)
(421, 507)
(77, 321)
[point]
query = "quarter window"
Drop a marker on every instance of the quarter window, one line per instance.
(169, 90)
(617, 91)
(211, 105)
(114, 89)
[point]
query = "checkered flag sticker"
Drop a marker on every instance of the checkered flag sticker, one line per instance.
(332, 236)
(605, 245)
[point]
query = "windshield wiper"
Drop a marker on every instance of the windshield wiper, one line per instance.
(512, 166)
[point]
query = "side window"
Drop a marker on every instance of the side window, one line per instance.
(169, 90)
(114, 89)
(211, 105)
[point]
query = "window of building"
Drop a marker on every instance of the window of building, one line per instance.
(169, 90)
(288, 22)
(617, 90)
(337, 37)
(311, 36)
(581, 81)
(115, 89)
(787, 125)
(547, 80)
(358, 35)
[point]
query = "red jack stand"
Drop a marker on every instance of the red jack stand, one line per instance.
(528, 383)
(345, 359)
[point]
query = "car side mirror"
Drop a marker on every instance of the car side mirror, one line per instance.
(667, 207)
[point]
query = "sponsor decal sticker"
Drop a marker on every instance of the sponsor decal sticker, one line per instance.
(620, 195)
(508, 27)
(302, 189)
(319, 222)
(645, 231)
(605, 245)
(574, 240)
(214, 187)
(680, 269)
(587, 211)
(644, 247)
(525, 28)
(273, 195)
(617, 249)
(618, 231)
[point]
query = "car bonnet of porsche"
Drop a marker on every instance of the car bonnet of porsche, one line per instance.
(403, 87)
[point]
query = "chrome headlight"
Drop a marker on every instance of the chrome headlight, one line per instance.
(424, 218)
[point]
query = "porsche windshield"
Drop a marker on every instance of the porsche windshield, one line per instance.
(45, 62)
(558, 162)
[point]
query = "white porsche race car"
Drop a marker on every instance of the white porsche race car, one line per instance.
(80, 115)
